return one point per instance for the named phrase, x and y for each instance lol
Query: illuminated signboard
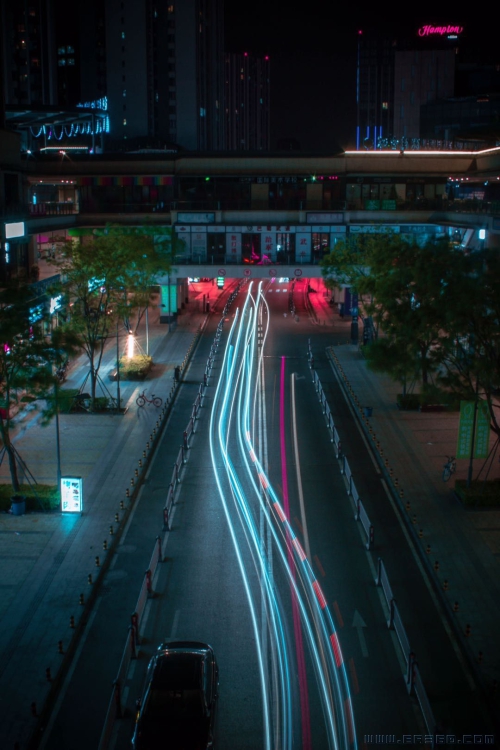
(169, 298)
(440, 30)
(71, 494)
(55, 304)
(35, 313)
(14, 230)
(94, 283)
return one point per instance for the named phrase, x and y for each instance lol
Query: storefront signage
(325, 218)
(35, 314)
(196, 218)
(94, 283)
(55, 304)
(440, 30)
(15, 229)
(71, 494)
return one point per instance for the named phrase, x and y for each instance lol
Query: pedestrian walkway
(46, 558)
(464, 543)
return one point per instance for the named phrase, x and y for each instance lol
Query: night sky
(313, 47)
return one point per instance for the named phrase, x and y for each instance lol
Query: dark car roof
(178, 671)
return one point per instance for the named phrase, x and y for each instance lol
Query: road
(265, 562)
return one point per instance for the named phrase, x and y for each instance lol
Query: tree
(471, 367)
(107, 276)
(407, 287)
(27, 360)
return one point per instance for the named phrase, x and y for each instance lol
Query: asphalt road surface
(265, 562)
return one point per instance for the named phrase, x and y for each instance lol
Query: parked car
(178, 704)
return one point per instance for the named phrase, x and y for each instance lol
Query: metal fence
(414, 681)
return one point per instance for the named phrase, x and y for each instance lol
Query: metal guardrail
(345, 469)
(414, 682)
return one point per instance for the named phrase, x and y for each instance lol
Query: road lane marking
(359, 624)
(354, 676)
(320, 567)
(338, 614)
(298, 472)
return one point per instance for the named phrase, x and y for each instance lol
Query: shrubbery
(480, 494)
(47, 500)
(135, 368)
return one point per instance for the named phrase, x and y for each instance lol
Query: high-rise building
(164, 71)
(397, 75)
(247, 94)
(159, 65)
(28, 52)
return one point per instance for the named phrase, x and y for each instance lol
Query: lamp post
(58, 440)
(147, 333)
(117, 368)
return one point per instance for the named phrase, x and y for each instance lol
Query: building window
(385, 105)
(123, 35)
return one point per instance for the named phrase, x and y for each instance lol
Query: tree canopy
(437, 307)
(107, 277)
(27, 361)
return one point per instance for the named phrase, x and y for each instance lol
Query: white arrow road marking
(359, 624)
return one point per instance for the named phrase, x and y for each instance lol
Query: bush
(414, 401)
(135, 368)
(66, 398)
(480, 494)
(101, 403)
(48, 497)
(410, 401)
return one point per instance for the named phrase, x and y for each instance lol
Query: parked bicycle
(449, 468)
(142, 400)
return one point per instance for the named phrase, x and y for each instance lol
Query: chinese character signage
(465, 430)
(482, 441)
(233, 246)
(303, 248)
(71, 494)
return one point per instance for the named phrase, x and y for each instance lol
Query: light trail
(260, 529)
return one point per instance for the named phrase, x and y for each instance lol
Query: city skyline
(313, 60)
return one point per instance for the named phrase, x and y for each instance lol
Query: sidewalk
(466, 543)
(46, 558)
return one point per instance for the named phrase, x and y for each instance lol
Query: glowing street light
(130, 345)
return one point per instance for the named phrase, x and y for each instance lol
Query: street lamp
(130, 345)
(58, 440)
(117, 368)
